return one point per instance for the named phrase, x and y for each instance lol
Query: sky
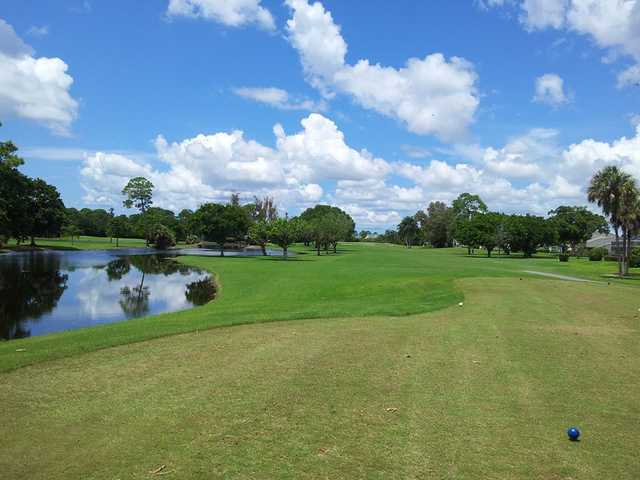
(376, 107)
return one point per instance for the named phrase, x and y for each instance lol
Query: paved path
(560, 277)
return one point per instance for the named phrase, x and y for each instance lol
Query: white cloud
(316, 165)
(415, 151)
(36, 31)
(550, 90)
(278, 98)
(525, 156)
(210, 167)
(34, 88)
(611, 24)
(629, 77)
(538, 14)
(431, 96)
(584, 158)
(634, 118)
(233, 13)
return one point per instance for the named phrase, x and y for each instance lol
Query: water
(44, 292)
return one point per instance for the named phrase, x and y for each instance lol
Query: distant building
(609, 242)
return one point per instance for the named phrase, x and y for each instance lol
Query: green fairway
(483, 391)
(362, 280)
(381, 375)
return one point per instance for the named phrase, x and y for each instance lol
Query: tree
(14, 188)
(483, 230)
(364, 235)
(407, 230)
(576, 225)
(527, 233)
(71, 231)
(259, 234)
(438, 223)
(162, 237)
(284, 232)
(185, 227)
(264, 209)
(119, 227)
(615, 193)
(45, 210)
(326, 226)
(8, 157)
(465, 207)
(217, 223)
(138, 193)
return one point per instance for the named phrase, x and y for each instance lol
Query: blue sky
(375, 107)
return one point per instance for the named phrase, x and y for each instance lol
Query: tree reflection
(117, 269)
(30, 286)
(159, 265)
(135, 301)
(201, 291)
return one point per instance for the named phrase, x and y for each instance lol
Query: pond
(52, 291)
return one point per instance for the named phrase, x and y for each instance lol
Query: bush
(191, 240)
(564, 257)
(635, 258)
(597, 254)
(162, 237)
(610, 258)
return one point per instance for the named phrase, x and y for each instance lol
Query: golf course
(375, 362)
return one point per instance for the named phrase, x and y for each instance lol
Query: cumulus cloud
(611, 24)
(279, 98)
(34, 88)
(538, 14)
(582, 159)
(316, 164)
(233, 13)
(550, 90)
(431, 95)
(210, 167)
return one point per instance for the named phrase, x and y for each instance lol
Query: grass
(83, 243)
(382, 375)
(483, 391)
(362, 280)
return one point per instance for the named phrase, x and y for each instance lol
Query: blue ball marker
(573, 433)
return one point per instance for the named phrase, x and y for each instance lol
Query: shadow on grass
(29, 248)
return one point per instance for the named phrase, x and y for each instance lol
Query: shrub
(610, 258)
(564, 257)
(162, 237)
(635, 258)
(597, 254)
(192, 239)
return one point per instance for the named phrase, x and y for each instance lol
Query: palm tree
(617, 194)
(629, 218)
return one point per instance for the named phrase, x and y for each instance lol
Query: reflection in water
(43, 292)
(201, 292)
(118, 269)
(38, 284)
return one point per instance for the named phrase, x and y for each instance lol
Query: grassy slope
(483, 391)
(363, 280)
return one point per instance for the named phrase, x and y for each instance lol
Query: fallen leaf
(391, 409)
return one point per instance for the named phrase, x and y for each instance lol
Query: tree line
(31, 208)
(468, 221)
